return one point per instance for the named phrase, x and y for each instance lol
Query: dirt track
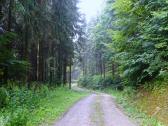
(95, 110)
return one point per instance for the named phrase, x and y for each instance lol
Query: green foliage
(85, 81)
(4, 97)
(18, 118)
(98, 82)
(23, 98)
(10, 66)
(133, 34)
(145, 43)
(46, 32)
(32, 107)
(108, 81)
(54, 105)
(94, 82)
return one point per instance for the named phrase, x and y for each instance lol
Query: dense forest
(126, 48)
(37, 42)
(37, 39)
(128, 41)
(42, 42)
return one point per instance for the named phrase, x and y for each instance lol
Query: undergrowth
(154, 99)
(98, 82)
(20, 106)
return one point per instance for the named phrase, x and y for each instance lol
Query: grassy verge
(127, 99)
(28, 108)
(53, 106)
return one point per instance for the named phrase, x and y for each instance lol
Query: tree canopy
(129, 38)
(37, 39)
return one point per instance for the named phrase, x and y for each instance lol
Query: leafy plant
(4, 97)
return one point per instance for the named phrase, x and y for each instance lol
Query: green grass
(52, 107)
(34, 108)
(126, 101)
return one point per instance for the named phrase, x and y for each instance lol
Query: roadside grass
(54, 106)
(154, 100)
(41, 108)
(128, 101)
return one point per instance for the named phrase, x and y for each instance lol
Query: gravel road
(95, 110)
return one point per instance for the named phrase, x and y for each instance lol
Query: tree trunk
(83, 67)
(41, 61)
(104, 70)
(33, 62)
(70, 73)
(1, 14)
(113, 69)
(101, 65)
(59, 70)
(9, 29)
(5, 74)
(10, 15)
(64, 72)
(38, 48)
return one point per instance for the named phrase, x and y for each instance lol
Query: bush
(33, 106)
(98, 82)
(18, 102)
(94, 82)
(85, 81)
(108, 81)
(19, 117)
(4, 97)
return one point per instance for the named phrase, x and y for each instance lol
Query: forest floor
(97, 109)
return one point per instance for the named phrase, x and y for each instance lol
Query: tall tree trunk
(9, 29)
(59, 70)
(33, 61)
(1, 13)
(10, 15)
(70, 70)
(38, 59)
(65, 71)
(101, 65)
(83, 67)
(113, 69)
(104, 70)
(41, 61)
(5, 76)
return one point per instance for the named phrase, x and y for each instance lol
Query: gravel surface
(95, 110)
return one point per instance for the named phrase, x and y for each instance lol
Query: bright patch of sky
(91, 8)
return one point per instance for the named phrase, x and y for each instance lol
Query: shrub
(23, 97)
(98, 82)
(18, 102)
(19, 118)
(108, 81)
(85, 81)
(4, 97)
(33, 106)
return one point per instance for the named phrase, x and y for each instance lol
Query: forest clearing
(84, 62)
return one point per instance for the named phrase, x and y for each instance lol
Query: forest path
(95, 110)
